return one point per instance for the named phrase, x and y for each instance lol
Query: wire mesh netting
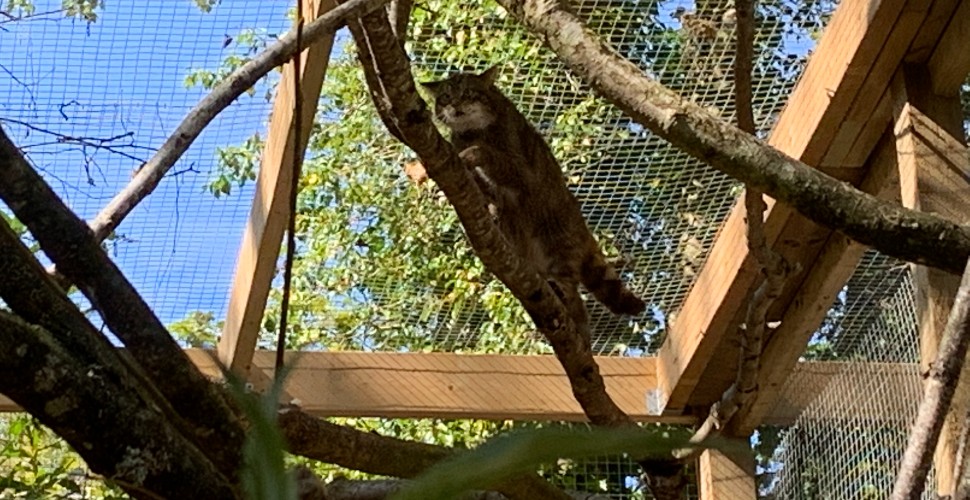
(89, 102)
(652, 206)
(849, 441)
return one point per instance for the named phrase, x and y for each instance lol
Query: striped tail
(601, 279)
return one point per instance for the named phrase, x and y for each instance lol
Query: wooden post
(934, 176)
(723, 476)
(268, 217)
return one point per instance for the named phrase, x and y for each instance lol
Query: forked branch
(68, 241)
(406, 116)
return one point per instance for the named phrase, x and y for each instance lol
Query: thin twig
(211, 105)
(938, 392)
(97, 143)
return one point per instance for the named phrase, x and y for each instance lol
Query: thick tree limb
(406, 115)
(149, 175)
(321, 440)
(30, 293)
(889, 228)
(69, 242)
(135, 445)
(938, 392)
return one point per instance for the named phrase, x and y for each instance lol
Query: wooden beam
(855, 126)
(826, 277)
(511, 387)
(950, 62)
(258, 253)
(723, 476)
(836, 261)
(935, 177)
(942, 30)
(836, 74)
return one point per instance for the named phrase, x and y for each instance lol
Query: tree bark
(388, 74)
(937, 395)
(887, 227)
(31, 293)
(69, 242)
(136, 447)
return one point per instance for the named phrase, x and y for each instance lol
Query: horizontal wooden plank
(503, 387)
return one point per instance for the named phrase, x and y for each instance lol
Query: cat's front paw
(473, 155)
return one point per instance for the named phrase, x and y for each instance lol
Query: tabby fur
(534, 209)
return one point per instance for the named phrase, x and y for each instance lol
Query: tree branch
(889, 228)
(938, 392)
(30, 293)
(399, 15)
(388, 74)
(148, 176)
(69, 242)
(321, 440)
(117, 434)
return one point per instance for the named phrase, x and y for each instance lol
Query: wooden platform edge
(496, 387)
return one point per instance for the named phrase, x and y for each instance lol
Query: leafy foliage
(264, 474)
(86, 10)
(36, 463)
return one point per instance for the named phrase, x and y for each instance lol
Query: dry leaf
(415, 171)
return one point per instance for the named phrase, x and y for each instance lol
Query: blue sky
(125, 74)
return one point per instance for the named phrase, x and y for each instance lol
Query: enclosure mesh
(849, 441)
(657, 206)
(88, 103)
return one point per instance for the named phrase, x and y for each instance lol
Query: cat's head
(462, 100)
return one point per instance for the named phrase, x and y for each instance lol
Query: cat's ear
(490, 75)
(432, 87)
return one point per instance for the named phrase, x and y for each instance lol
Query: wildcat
(534, 209)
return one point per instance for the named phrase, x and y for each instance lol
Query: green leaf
(520, 452)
